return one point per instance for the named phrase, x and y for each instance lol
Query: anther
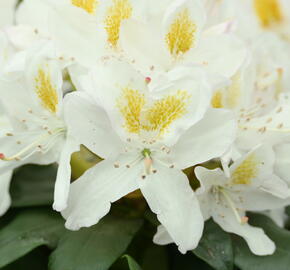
(147, 80)
(269, 120)
(262, 129)
(128, 166)
(154, 171)
(279, 110)
(171, 166)
(244, 220)
(116, 165)
(9, 134)
(280, 125)
(143, 176)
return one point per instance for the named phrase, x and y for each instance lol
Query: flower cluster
(152, 88)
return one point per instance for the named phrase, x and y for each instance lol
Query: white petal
(170, 196)
(91, 195)
(254, 199)
(89, 124)
(209, 138)
(62, 183)
(7, 10)
(39, 60)
(5, 199)
(193, 84)
(143, 44)
(258, 242)
(282, 163)
(35, 14)
(109, 79)
(162, 237)
(73, 28)
(196, 13)
(220, 54)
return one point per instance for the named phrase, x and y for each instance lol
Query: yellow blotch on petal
(181, 35)
(269, 12)
(217, 100)
(46, 91)
(234, 92)
(119, 11)
(87, 5)
(157, 117)
(246, 171)
(165, 111)
(130, 105)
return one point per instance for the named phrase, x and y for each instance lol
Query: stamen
(35, 146)
(232, 206)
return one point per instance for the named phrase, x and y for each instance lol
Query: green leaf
(94, 248)
(155, 257)
(33, 185)
(133, 265)
(280, 260)
(215, 247)
(35, 260)
(28, 230)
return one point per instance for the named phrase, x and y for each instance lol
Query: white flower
(146, 141)
(33, 103)
(7, 10)
(91, 25)
(177, 35)
(253, 186)
(254, 17)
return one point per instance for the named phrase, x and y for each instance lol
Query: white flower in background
(146, 141)
(176, 35)
(253, 186)
(33, 104)
(253, 17)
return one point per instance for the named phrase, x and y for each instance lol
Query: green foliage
(33, 237)
(97, 247)
(133, 265)
(33, 185)
(27, 230)
(215, 247)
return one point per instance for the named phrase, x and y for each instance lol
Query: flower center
(269, 12)
(155, 118)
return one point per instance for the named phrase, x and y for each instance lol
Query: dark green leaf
(133, 265)
(33, 185)
(188, 261)
(215, 247)
(94, 248)
(155, 257)
(280, 260)
(28, 230)
(35, 260)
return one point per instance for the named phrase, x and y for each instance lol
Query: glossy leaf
(215, 247)
(33, 185)
(29, 229)
(96, 247)
(133, 265)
